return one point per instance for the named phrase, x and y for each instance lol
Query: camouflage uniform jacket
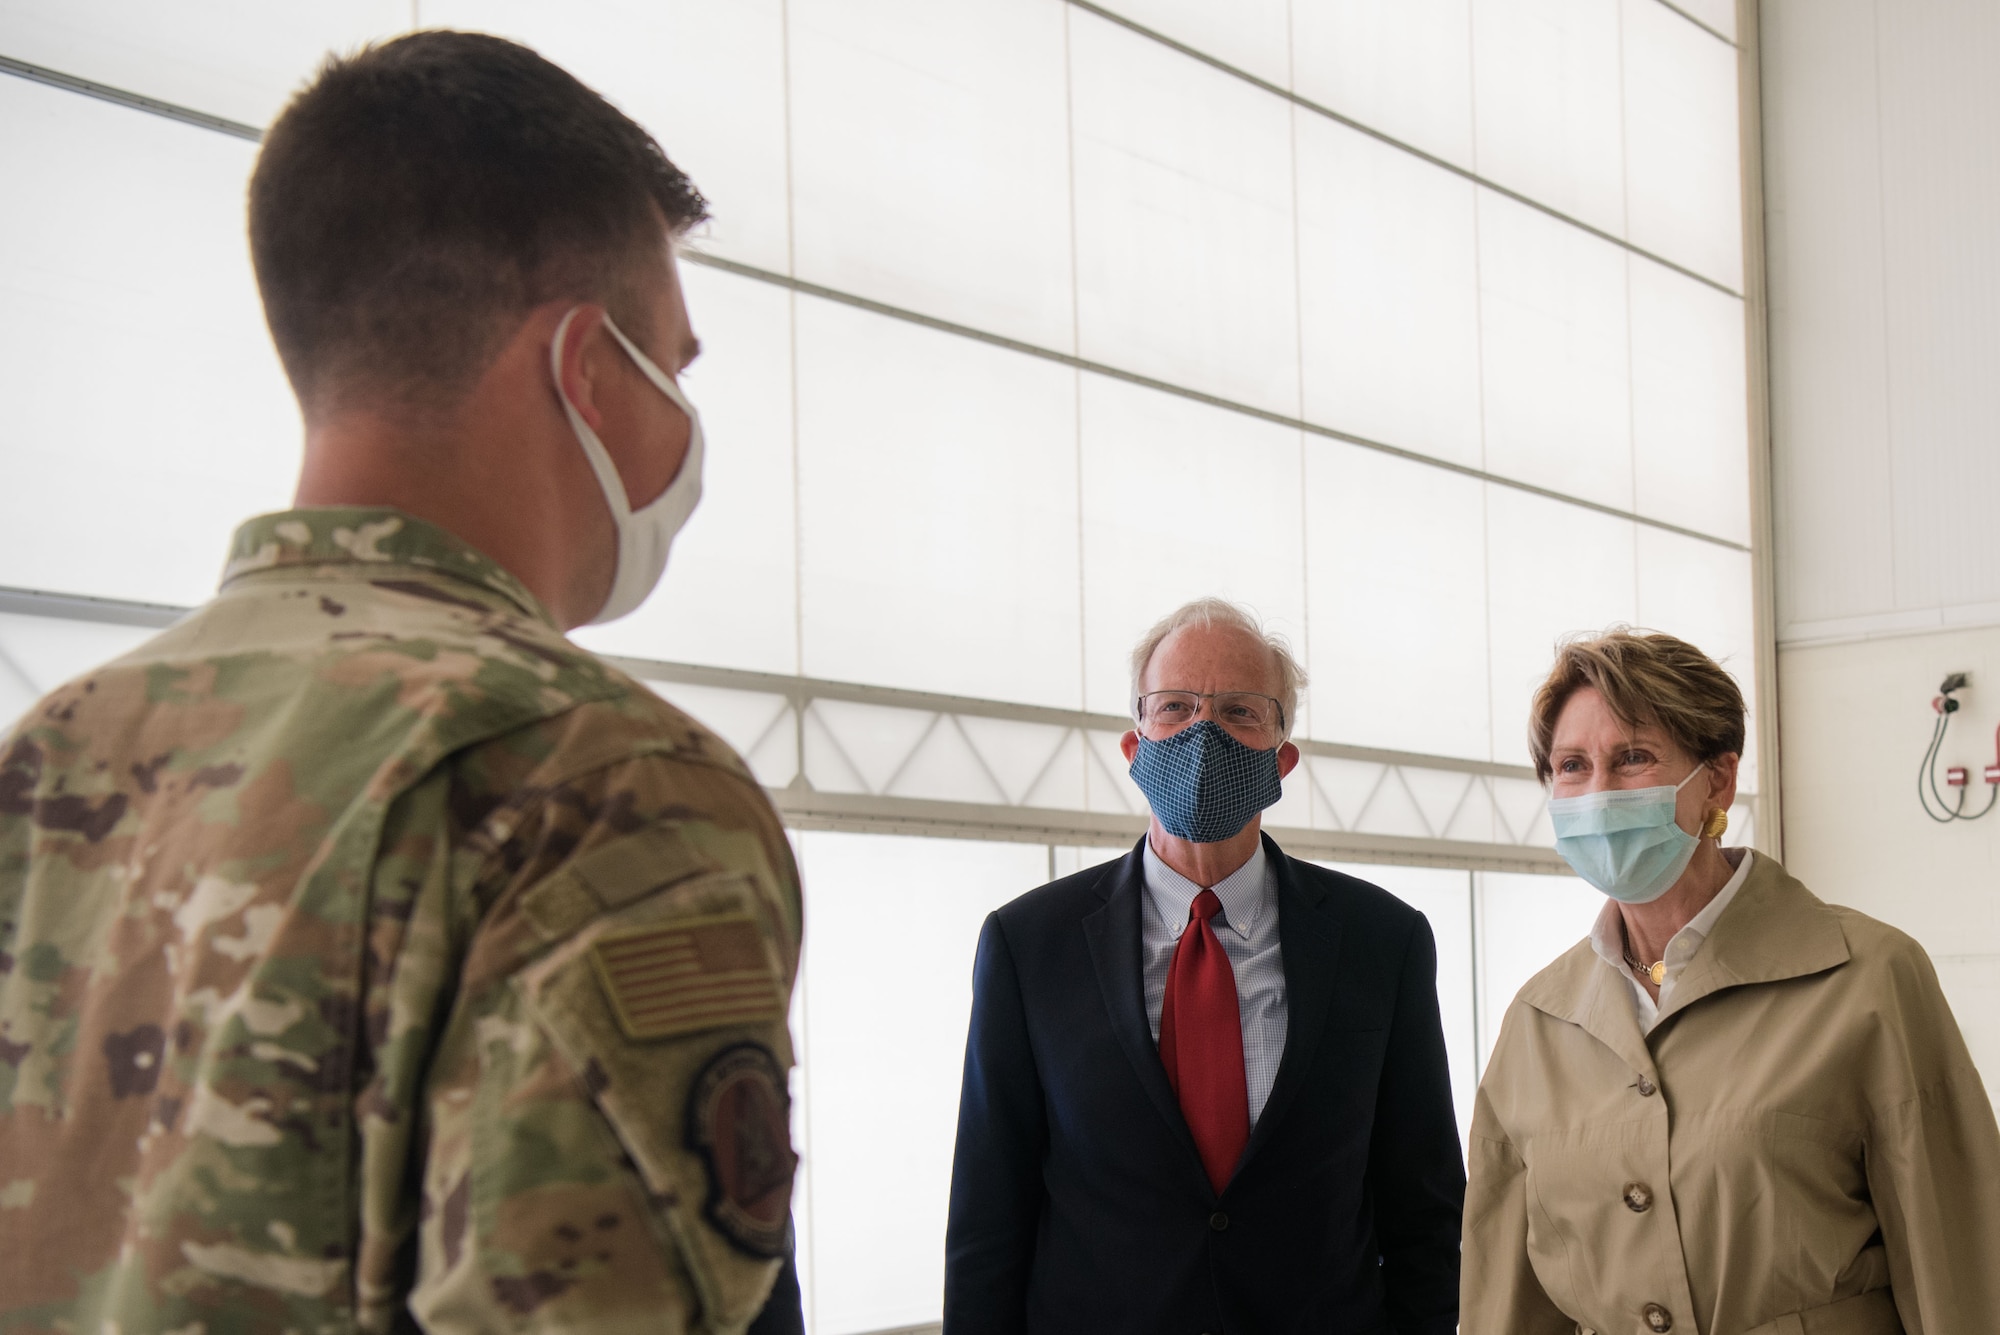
(370, 955)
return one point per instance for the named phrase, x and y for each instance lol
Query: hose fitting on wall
(1956, 776)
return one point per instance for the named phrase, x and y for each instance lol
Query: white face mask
(644, 536)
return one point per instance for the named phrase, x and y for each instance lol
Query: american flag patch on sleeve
(688, 974)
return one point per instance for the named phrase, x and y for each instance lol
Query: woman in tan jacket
(1734, 1109)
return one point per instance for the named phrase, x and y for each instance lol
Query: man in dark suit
(1205, 1084)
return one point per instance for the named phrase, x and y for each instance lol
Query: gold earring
(1717, 822)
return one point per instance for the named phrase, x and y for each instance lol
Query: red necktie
(1201, 1044)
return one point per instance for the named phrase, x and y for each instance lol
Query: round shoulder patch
(739, 1121)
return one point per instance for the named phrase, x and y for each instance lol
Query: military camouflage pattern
(299, 1024)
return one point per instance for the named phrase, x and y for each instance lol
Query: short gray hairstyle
(1222, 612)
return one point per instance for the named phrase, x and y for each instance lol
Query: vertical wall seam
(1888, 366)
(1769, 805)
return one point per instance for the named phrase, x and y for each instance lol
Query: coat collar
(1308, 941)
(1775, 929)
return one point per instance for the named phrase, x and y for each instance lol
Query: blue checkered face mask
(1203, 784)
(1624, 840)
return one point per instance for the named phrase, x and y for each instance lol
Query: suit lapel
(1308, 942)
(1113, 933)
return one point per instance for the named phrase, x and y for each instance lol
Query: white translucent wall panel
(1403, 67)
(728, 595)
(938, 511)
(1388, 293)
(1396, 592)
(1552, 570)
(1683, 176)
(1183, 219)
(1445, 900)
(930, 159)
(38, 654)
(1702, 593)
(1690, 402)
(238, 59)
(1525, 922)
(142, 411)
(1065, 860)
(1180, 501)
(1547, 103)
(1249, 34)
(707, 77)
(892, 926)
(1719, 15)
(1557, 380)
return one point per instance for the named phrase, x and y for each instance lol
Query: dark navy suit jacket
(1078, 1202)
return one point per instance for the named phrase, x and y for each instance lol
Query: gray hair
(1221, 612)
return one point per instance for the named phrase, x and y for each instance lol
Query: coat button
(1638, 1197)
(1658, 1318)
(1218, 1221)
(1646, 1087)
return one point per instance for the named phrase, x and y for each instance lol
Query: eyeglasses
(1245, 713)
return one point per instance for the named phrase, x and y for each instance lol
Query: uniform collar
(371, 536)
(1246, 893)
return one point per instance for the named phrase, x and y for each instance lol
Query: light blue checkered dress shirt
(1248, 930)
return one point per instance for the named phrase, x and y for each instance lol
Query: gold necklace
(1657, 971)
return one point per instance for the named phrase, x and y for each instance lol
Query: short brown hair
(1646, 678)
(420, 196)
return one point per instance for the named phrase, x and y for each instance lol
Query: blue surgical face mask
(1203, 784)
(1624, 840)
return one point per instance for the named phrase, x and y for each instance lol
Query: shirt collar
(1245, 893)
(370, 535)
(1607, 934)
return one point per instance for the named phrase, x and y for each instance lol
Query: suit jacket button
(1638, 1197)
(1218, 1221)
(1646, 1087)
(1658, 1318)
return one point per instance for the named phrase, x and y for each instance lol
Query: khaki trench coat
(1800, 1147)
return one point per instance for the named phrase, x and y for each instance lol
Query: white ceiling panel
(143, 414)
(1557, 379)
(1396, 592)
(937, 510)
(931, 159)
(1683, 169)
(237, 59)
(1388, 294)
(1690, 404)
(1547, 109)
(1400, 67)
(1183, 220)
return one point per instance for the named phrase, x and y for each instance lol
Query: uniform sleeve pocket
(673, 1010)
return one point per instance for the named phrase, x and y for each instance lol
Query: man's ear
(1129, 744)
(1288, 759)
(582, 361)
